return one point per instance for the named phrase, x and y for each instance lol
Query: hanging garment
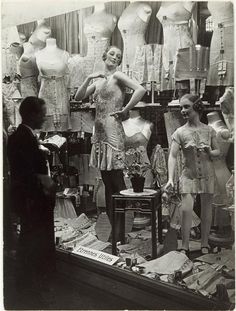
(148, 64)
(221, 70)
(108, 140)
(159, 166)
(192, 63)
(82, 121)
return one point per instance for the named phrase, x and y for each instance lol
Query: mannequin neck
(51, 44)
(99, 8)
(134, 114)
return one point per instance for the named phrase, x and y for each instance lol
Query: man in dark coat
(32, 198)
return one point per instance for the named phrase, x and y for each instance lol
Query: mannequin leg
(118, 182)
(186, 218)
(206, 217)
(107, 180)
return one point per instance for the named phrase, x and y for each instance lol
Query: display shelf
(147, 294)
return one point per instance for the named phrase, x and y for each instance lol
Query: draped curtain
(67, 29)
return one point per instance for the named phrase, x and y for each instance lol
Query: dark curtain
(27, 29)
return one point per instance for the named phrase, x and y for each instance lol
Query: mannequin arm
(174, 150)
(139, 91)
(85, 90)
(215, 152)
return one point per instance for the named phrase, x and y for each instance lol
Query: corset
(28, 68)
(133, 32)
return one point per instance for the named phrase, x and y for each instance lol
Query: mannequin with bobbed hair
(199, 146)
(108, 141)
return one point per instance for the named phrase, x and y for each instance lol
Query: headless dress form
(98, 29)
(52, 63)
(28, 71)
(227, 108)
(132, 25)
(222, 172)
(221, 71)
(137, 134)
(10, 36)
(174, 17)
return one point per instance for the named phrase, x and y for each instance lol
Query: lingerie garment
(198, 174)
(9, 57)
(148, 64)
(108, 140)
(132, 29)
(177, 35)
(29, 77)
(82, 121)
(221, 70)
(55, 92)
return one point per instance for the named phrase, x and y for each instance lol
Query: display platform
(146, 293)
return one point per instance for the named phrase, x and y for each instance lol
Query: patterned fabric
(132, 29)
(108, 140)
(222, 45)
(29, 86)
(148, 64)
(198, 175)
(159, 167)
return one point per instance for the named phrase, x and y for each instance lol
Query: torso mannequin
(28, 71)
(227, 108)
(221, 170)
(222, 64)
(40, 35)
(137, 134)
(174, 17)
(9, 56)
(52, 63)
(132, 25)
(98, 29)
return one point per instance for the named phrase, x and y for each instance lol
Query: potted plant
(135, 168)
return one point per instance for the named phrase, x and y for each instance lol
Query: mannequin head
(33, 112)
(191, 105)
(40, 34)
(112, 56)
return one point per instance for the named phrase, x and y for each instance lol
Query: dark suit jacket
(26, 160)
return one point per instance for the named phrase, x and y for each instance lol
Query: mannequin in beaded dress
(52, 63)
(174, 17)
(98, 29)
(132, 25)
(221, 71)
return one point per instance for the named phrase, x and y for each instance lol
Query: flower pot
(137, 183)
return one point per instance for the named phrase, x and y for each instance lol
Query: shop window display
(97, 117)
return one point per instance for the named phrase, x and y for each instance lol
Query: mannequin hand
(96, 75)
(119, 115)
(169, 186)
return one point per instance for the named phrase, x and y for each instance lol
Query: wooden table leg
(113, 224)
(159, 215)
(154, 234)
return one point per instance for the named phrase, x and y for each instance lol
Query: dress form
(227, 108)
(174, 17)
(137, 134)
(40, 35)
(221, 170)
(98, 29)
(132, 25)
(28, 71)
(9, 38)
(221, 71)
(52, 63)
